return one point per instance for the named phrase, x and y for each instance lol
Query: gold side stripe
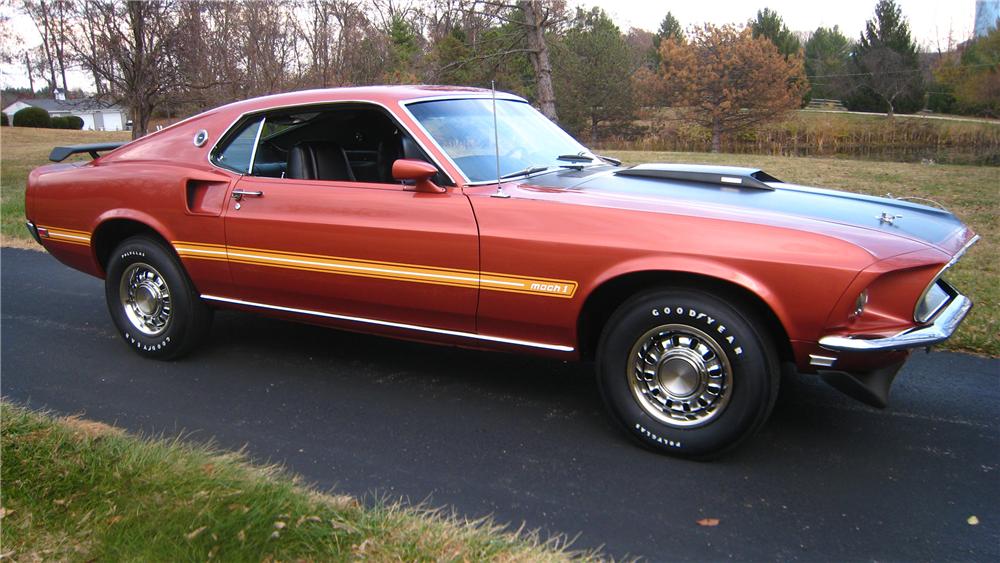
(382, 270)
(69, 236)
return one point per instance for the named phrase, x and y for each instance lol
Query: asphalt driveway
(526, 440)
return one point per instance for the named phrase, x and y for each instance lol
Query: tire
(152, 302)
(686, 373)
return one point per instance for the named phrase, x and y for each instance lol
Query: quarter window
(237, 153)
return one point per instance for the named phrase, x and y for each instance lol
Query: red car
(451, 216)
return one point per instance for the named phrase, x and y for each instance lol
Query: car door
(367, 250)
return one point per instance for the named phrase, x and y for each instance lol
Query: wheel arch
(112, 230)
(606, 297)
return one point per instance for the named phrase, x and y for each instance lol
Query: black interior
(345, 143)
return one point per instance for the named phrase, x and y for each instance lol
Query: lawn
(972, 192)
(77, 490)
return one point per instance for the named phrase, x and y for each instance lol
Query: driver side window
(350, 143)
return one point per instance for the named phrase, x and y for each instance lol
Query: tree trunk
(716, 135)
(594, 120)
(538, 54)
(140, 120)
(46, 46)
(31, 78)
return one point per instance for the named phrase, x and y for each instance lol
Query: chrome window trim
(954, 259)
(387, 109)
(256, 142)
(390, 324)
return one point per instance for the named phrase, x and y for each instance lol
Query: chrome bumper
(939, 330)
(33, 231)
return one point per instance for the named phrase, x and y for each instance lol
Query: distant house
(96, 115)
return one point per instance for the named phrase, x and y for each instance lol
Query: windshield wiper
(525, 172)
(610, 160)
(574, 158)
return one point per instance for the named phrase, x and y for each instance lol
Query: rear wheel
(152, 301)
(686, 373)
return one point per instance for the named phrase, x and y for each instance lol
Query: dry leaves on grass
(192, 535)
(708, 522)
(84, 428)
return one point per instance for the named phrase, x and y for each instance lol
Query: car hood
(814, 209)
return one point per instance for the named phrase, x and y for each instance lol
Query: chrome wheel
(679, 375)
(145, 298)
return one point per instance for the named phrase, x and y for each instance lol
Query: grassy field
(972, 192)
(75, 490)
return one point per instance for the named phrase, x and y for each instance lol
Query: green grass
(22, 149)
(971, 192)
(82, 491)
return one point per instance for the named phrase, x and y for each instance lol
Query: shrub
(3, 119)
(59, 122)
(32, 117)
(74, 122)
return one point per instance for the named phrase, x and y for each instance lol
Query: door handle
(240, 194)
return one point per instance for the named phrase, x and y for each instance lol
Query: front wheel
(152, 302)
(686, 373)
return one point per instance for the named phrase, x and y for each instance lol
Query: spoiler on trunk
(731, 176)
(60, 154)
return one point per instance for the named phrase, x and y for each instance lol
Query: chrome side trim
(821, 361)
(954, 259)
(941, 329)
(500, 339)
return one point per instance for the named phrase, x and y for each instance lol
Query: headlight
(933, 299)
(938, 292)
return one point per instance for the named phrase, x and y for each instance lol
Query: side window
(237, 153)
(346, 143)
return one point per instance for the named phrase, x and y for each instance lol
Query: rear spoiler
(60, 154)
(729, 176)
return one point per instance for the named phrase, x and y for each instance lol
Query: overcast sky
(932, 22)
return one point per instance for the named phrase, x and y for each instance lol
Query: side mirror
(418, 171)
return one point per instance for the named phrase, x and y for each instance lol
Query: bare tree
(132, 50)
(888, 78)
(523, 25)
(38, 11)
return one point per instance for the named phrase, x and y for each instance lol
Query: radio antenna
(496, 140)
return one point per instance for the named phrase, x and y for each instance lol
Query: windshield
(529, 143)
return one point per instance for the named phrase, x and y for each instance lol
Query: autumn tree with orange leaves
(725, 80)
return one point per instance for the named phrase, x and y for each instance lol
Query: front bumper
(938, 330)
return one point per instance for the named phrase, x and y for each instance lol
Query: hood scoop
(729, 176)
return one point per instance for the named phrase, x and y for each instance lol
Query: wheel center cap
(680, 373)
(147, 299)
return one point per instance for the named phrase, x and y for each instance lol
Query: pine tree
(770, 25)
